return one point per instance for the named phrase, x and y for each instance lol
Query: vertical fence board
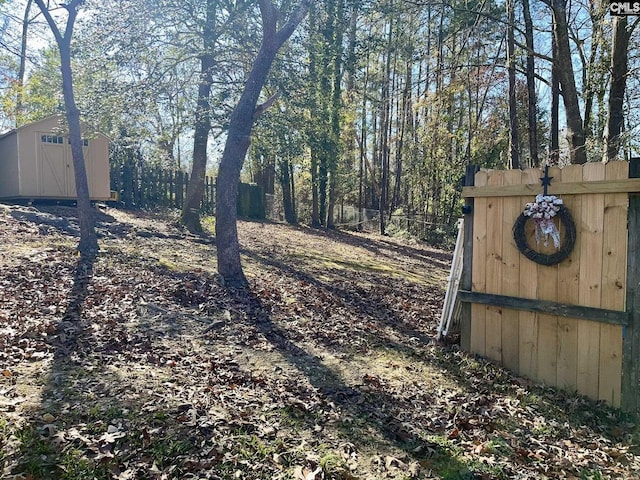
(493, 335)
(548, 324)
(467, 256)
(591, 226)
(631, 340)
(568, 291)
(510, 273)
(614, 260)
(528, 286)
(478, 312)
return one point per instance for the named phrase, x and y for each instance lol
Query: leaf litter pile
(144, 366)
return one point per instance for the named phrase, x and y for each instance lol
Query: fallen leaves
(322, 370)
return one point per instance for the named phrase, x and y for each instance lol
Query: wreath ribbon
(542, 211)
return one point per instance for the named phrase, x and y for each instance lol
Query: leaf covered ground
(143, 366)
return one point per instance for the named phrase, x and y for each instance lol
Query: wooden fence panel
(568, 291)
(548, 324)
(493, 270)
(614, 255)
(510, 275)
(590, 228)
(528, 287)
(576, 354)
(478, 282)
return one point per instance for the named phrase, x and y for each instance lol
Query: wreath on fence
(544, 211)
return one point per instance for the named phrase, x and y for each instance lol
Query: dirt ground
(145, 366)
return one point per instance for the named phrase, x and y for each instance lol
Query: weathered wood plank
(478, 282)
(528, 288)
(510, 274)
(601, 315)
(591, 231)
(548, 324)
(493, 266)
(465, 279)
(614, 255)
(568, 292)
(578, 188)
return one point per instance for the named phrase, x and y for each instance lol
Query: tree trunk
(313, 131)
(287, 193)
(238, 139)
(336, 108)
(575, 132)
(195, 189)
(554, 147)
(88, 245)
(619, 70)
(23, 64)
(384, 133)
(514, 141)
(532, 105)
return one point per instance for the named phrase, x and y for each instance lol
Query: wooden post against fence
(467, 256)
(631, 335)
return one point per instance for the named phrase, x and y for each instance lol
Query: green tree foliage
(378, 104)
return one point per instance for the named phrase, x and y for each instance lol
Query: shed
(36, 162)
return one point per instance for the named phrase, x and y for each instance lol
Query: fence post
(631, 333)
(467, 257)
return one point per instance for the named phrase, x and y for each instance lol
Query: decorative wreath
(543, 211)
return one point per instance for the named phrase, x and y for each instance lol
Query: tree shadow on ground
(486, 383)
(371, 413)
(93, 420)
(351, 296)
(63, 219)
(380, 246)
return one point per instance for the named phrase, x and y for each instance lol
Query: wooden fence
(146, 187)
(574, 324)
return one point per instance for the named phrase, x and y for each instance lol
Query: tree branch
(263, 107)
(294, 19)
(50, 21)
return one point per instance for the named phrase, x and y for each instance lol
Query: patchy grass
(145, 367)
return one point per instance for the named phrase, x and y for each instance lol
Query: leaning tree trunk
(88, 245)
(238, 138)
(195, 189)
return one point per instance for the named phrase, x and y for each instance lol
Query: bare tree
(88, 245)
(238, 138)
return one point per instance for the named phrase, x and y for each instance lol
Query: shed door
(54, 167)
(88, 165)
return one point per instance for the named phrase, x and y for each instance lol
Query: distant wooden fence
(146, 187)
(154, 187)
(575, 324)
